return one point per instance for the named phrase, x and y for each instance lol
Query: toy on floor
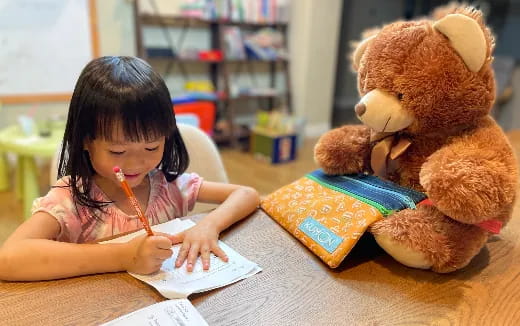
(427, 88)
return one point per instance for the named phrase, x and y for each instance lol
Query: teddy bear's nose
(360, 108)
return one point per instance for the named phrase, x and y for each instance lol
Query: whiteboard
(44, 45)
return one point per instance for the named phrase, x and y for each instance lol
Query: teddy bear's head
(426, 75)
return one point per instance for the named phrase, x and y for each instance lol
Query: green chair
(26, 148)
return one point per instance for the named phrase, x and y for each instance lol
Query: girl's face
(136, 159)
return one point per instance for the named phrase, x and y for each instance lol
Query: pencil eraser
(116, 169)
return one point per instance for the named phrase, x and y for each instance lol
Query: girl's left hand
(203, 239)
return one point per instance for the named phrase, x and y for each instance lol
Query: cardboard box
(273, 148)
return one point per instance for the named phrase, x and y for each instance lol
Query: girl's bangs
(140, 119)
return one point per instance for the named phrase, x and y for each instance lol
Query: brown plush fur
(459, 156)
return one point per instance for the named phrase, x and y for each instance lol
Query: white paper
(179, 312)
(174, 282)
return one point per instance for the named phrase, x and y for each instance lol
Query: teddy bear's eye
(400, 96)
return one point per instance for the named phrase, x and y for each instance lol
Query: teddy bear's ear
(466, 37)
(357, 54)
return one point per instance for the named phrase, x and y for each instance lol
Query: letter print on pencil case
(328, 214)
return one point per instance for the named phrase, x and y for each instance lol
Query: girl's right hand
(145, 254)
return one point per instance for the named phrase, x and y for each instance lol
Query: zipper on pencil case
(385, 211)
(414, 195)
(372, 195)
(407, 201)
(378, 190)
(402, 200)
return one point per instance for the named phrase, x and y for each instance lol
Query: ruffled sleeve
(187, 186)
(59, 204)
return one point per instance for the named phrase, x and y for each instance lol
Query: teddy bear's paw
(472, 180)
(410, 237)
(343, 150)
(402, 253)
(426, 238)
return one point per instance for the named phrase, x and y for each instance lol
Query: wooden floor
(241, 167)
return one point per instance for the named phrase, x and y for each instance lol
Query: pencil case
(329, 214)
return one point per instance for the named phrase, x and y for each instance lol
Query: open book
(175, 283)
(179, 312)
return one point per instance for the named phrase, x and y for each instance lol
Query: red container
(204, 110)
(210, 55)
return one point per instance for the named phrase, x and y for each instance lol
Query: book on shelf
(233, 43)
(250, 11)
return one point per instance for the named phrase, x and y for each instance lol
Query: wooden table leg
(4, 172)
(30, 184)
(18, 178)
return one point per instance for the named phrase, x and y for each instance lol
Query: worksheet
(175, 283)
(178, 312)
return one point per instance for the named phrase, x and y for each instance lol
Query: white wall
(314, 45)
(314, 32)
(116, 30)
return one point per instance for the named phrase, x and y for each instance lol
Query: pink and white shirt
(167, 200)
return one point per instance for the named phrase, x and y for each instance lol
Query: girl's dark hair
(113, 90)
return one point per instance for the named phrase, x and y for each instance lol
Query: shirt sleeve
(188, 185)
(59, 204)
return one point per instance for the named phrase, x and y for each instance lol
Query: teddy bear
(427, 88)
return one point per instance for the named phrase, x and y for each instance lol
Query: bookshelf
(219, 70)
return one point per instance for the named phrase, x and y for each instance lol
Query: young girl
(120, 115)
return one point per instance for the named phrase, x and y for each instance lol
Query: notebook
(175, 283)
(329, 214)
(178, 312)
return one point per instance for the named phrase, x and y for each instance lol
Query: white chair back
(205, 159)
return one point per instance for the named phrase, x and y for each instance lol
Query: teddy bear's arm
(344, 150)
(472, 179)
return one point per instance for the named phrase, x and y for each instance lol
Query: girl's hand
(203, 239)
(147, 253)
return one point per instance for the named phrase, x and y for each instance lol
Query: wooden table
(295, 288)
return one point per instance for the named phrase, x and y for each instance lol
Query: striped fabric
(383, 195)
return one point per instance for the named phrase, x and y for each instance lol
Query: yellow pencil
(133, 200)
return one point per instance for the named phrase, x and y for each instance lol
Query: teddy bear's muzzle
(383, 112)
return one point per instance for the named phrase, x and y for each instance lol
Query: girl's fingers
(152, 267)
(219, 252)
(161, 242)
(192, 257)
(205, 256)
(157, 267)
(164, 254)
(176, 238)
(181, 257)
